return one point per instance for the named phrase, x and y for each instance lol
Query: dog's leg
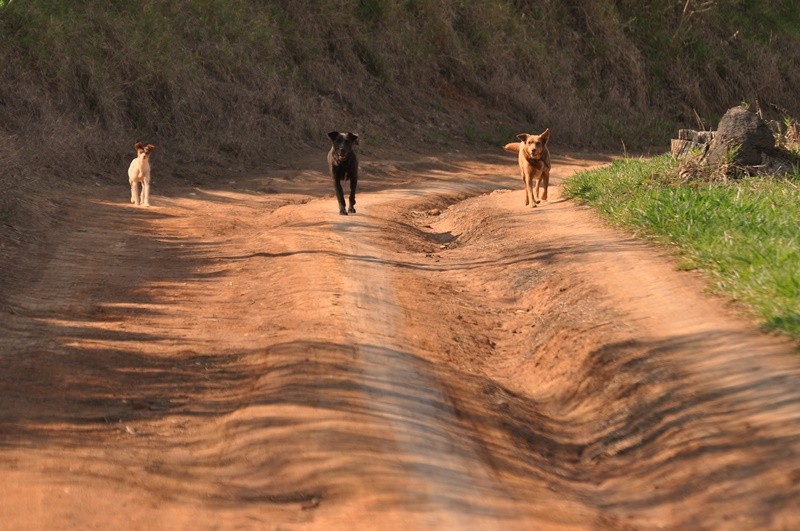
(353, 184)
(135, 193)
(539, 168)
(146, 193)
(337, 183)
(525, 184)
(529, 197)
(534, 201)
(545, 182)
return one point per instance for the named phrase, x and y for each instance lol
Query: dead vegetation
(223, 83)
(770, 150)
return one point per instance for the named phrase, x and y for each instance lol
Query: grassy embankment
(743, 233)
(231, 81)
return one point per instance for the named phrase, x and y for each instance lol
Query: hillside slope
(236, 81)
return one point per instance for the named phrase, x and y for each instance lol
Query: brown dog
(534, 164)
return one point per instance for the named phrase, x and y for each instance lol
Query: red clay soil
(239, 355)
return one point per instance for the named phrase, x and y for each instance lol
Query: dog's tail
(512, 147)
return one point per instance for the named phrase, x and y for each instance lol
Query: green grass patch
(744, 233)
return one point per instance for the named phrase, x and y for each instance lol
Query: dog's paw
(351, 210)
(343, 212)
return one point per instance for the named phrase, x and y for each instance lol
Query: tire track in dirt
(424, 463)
(682, 412)
(432, 453)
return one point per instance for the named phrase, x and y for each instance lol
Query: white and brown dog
(139, 172)
(534, 164)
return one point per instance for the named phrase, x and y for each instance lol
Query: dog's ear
(522, 136)
(138, 147)
(333, 135)
(545, 135)
(353, 137)
(149, 148)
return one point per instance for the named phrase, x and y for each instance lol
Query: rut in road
(445, 357)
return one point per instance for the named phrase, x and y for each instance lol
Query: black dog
(343, 164)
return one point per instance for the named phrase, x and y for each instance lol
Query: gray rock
(742, 129)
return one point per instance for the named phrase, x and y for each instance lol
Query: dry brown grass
(234, 82)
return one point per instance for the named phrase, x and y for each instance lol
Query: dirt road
(241, 356)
